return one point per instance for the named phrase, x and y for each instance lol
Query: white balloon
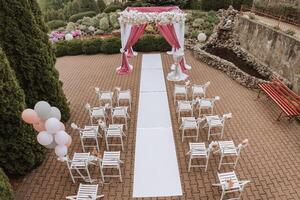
(201, 37)
(61, 138)
(55, 112)
(52, 125)
(44, 138)
(52, 145)
(61, 150)
(43, 109)
(68, 36)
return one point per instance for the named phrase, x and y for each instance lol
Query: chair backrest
(206, 85)
(74, 126)
(242, 145)
(102, 124)
(97, 90)
(88, 107)
(180, 86)
(226, 116)
(216, 98)
(86, 191)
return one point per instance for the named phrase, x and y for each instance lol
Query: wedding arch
(170, 22)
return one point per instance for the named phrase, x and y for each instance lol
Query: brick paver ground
(271, 161)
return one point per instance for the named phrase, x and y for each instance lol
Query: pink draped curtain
(136, 32)
(168, 31)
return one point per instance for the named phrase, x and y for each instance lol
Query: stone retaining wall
(275, 49)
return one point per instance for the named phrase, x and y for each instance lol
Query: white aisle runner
(156, 170)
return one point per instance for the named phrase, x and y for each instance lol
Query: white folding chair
(114, 131)
(79, 163)
(104, 96)
(189, 123)
(180, 90)
(199, 90)
(125, 96)
(86, 192)
(198, 151)
(96, 112)
(110, 160)
(88, 132)
(207, 104)
(228, 149)
(184, 106)
(216, 124)
(229, 183)
(120, 112)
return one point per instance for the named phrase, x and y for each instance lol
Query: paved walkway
(271, 161)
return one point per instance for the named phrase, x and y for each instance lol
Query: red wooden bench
(287, 100)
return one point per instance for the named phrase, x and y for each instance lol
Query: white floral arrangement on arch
(135, 17)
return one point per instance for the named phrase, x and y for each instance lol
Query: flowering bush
(55, 36)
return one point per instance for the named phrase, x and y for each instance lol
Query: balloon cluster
(46, 120)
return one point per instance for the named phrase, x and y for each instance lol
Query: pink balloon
(30, 116)
(62, 127)
(39, 126)
(69, 142)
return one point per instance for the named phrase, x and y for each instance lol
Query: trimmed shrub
(54, 24)
(71, 26)
(215, 4)
(113, 19)
(112, 8)
(198, 22)
(19, 150)
(30, 54)
(150, 43)
(111, 45)
(104, 24)
(52, 14)
(87, 21)
(76, 17)
(101, 5)
(6, 192)
(92, 46)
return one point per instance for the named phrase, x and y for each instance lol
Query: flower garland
(135, 17)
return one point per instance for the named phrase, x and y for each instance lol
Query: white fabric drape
(179, 30)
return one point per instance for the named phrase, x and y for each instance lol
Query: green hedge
(112, 8)
(150, 43)
(76, 17)
(54, 24)
(147, 43)
(6, 192)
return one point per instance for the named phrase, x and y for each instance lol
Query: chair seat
(111, 158)
(189, 123)
(205, 103)
(224, 177)
(180, 90)
(228, 147)
(114, 132)
(120, 111)
(106, 95)
(182, 105)
(124, 96)
(89, 131)
(198, 149)
(98, 112)
(80, 160)
(198, 90)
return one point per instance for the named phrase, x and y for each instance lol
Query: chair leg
(236, 162)
(206, 164)
(122, 142)
(88, 173)
(97, 143)
(101, 173)
(222, 195)
(182, 135)
(82, 144)
(71, 174)
(190, 163)
(120, 174)
(221, 159)
(197, 136)
(106, 142)
(208, 134)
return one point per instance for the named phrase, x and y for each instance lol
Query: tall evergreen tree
(19, 150)
(30, 55)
